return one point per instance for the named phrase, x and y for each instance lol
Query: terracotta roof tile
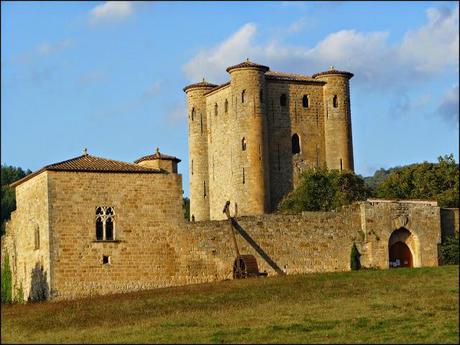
(87, 163)
(288, 76)
(333, 71)
(201, 84)
(158, 155)
(248, 63)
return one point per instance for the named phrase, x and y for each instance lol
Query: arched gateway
(401, 248)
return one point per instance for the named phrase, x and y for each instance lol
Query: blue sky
(109, 76)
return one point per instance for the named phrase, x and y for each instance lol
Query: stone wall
(27, 237)
(147, 209)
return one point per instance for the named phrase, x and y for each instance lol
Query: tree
(7, 281)
(324, 190)
(437, 181)
(9, 175)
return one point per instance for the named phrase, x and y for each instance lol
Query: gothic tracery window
(105, 220)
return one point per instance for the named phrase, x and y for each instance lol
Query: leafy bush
(437, 181)
(449, 250)
(324, 190)
(7, 281)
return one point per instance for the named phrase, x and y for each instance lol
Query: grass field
(370, 306)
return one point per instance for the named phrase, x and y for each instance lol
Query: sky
(108, 76)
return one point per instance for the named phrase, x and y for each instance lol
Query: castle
(90, 225)
(249, 138)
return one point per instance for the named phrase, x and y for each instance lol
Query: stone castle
(90, 225)
(249, 138)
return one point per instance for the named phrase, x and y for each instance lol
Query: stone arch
(404, 245)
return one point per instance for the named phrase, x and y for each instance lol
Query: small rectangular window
(105, 259)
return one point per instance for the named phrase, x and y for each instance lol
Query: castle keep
(91, 225)
(250, 138)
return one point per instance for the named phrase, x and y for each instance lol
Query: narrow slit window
(204, 189)
(305, 101)
(243, 94)
(226, 106)
(192, 166)
(283, 100)
(243, 144)
(201, 123)
(295, 144)
(335, 102)
(216, 109)
(244, 177)
(341, 166)
(193, 113)
(37, 237)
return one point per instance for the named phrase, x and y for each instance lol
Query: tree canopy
(9, 175)
(436, 181)
(325, 190)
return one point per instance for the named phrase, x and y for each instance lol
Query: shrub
(7, 279)
(449, 250)
(355, 263)
(324, 190)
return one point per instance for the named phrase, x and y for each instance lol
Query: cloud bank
(111, 11)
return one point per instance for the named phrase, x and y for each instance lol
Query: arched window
(305, 101)
(335, 102)
(216, 109)
(226, 106)
(243, 93)
(295, 144)
(283, 100)
(243, 144)
(105, 230)
(193, 113)
(261, 96)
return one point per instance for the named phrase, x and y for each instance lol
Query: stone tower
(251, 137)
(337, 123)
(247, 83)
(198, 149)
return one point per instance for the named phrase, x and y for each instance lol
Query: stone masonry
(243, 136)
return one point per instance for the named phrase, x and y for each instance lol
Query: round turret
(249, 94)
(198, 149)
(337, 124)
(159, 161)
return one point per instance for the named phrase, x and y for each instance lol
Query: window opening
(193, 113)
(244, 177)
(105, 227)
(283, 100)
(295, 144)
(226, 106)
(105, 259)
(243, 144)
(334, 101)
(305, 101)
(243, 93)
(216, 109)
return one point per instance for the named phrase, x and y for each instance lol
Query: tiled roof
(288, 76)
(158, 155)
(217, 87)
(248, 63)
(200, 84)
(87, 163)
(333, 71)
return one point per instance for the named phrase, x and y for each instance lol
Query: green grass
(368, 306)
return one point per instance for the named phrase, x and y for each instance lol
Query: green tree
(7, 281)
(437, 181)
(324, 190)
(9, 174)
(449, 250)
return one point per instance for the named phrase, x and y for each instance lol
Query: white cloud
(377, 64)
(111, 11)
(46, 48)
(449, 107)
